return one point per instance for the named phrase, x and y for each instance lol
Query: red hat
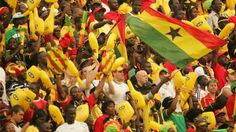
(3, 10)
(99, 9)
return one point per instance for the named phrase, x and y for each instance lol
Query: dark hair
(69, 106)
(16, 109)
(200, 78)
(193, 113)
(39, 113)
(167, 102)
(74, 87)
(106, 104)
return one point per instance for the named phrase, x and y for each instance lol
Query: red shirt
(65, 103)
(99, 125)
(220, 73)
(207, 100)
(230, 106)
(41, 104)
(91, 100)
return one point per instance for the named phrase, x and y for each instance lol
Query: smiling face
(212, 87)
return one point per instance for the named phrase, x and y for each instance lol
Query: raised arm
(173, 104)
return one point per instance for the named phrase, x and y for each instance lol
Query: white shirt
(92, 85)
(212, 20)
(200, 71)
(120, 92)
(168, 90)
(75, 127)
(201, 93)
(17, 128)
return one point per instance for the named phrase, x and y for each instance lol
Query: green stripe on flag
(166, 49)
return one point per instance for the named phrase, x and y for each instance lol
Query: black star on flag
(174, 33)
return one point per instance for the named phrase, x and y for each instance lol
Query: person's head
(9, 127)
(202, 80)
(192, 12)
(216, 5)
(192, 114)
(96, 4)
(39, 117)
(76, 94)
(108, 107)
(42, 58)
(174, 5)
(113, 5)
(17, 113)
(99, 14)
(212, 86)
(142, 77)
(181, 15)
(147, 67)
(12, 44)
(70, 114)
(19, 19)
(4, 13)
(45, 127)
(185, 70)
(136, 5)
(119, 74)
(220, 117)
(66, 7)
(203, 60)
(163, 73)
(223, 60)
(167, 102)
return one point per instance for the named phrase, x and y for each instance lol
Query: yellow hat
(13, 68)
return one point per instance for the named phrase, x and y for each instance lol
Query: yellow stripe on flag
(186, 42)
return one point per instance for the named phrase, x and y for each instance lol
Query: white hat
(18, 15)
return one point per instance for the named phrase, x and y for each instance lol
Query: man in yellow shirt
(100, 25)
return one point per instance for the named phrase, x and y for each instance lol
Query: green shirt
(177, 119)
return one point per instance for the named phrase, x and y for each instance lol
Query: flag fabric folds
(176, 41)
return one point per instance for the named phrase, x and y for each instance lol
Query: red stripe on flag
(210, 41)
(121, 28)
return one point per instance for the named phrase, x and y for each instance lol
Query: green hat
(207, 4)
(11, 34)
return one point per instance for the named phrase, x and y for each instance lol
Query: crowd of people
(62, 69)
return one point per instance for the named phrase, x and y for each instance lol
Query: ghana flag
(176, 41)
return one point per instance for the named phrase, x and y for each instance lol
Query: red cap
(3, 10)
(99, 9)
